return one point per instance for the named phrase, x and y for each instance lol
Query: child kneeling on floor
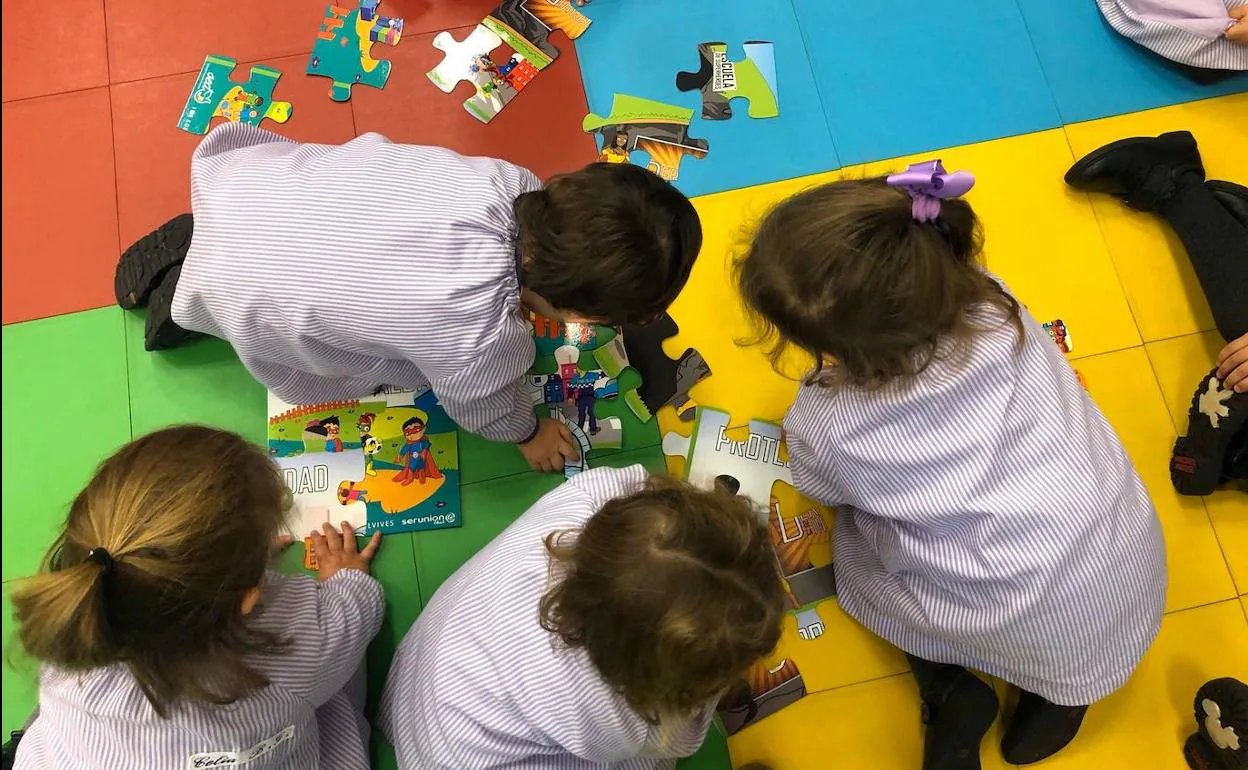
(989, 517)
(166, 642)
(598, 630)
(335, 271)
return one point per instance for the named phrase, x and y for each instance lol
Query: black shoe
(1221, 710)
(1214, 419)
(957, 718)
(1234, 197)
(9, 755)
(1141, 170)
(142, 265)
(160, 332)
(1039, 729)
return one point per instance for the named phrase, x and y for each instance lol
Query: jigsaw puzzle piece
(664, 381)
(525, 25)
(215, 95)
(721, 80)
(343, 48)
(658, 129)
(472, 60)
(755, 465)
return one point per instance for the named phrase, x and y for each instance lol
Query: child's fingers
(282, 542)
(1239, 12)
(319, 546)
(370, 548)
(348, 538)
(333, 538)
(1236, 347)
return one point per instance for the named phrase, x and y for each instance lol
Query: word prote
(314, 478)
(763, 449)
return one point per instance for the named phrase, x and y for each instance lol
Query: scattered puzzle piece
(525, 26)
(658, 129)
(215, 95)
(755, 464)
(1060, 335)
(343, 48)
(770, 685)
(720, 80)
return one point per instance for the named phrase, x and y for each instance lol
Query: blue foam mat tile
(636, 47)
(1094, 72)
(897, 80)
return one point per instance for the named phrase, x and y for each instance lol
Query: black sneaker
(1141, 170)
(1039, 729)
(1214, 420)
(1221, 710)
(1233, 197)
(957, 718)
(9, 755)
(160, 332)
(143, 265)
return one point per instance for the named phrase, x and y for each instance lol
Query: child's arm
(329, 625)
(487, 393)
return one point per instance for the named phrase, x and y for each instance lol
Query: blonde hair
(157, 555)
(672, 592)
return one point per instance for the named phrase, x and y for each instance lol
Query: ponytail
(63, 614)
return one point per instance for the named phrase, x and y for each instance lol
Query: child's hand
(1238, 33)
(281, 543)
(1233, 361)
(337, 550)
(549, 447)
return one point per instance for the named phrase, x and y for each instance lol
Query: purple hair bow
(928, 184)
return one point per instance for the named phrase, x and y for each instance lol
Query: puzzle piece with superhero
(657, 129)
(343, 48)
(721, 80)
(525, 27)
(215, 95)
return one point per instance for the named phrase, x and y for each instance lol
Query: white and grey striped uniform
(1191, 32)
(309, 717)
(336, 269)
(989, 516)
(478, 683)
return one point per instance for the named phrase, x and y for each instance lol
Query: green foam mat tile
(65, 377)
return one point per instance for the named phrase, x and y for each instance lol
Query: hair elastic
(101, 556)
(927, 184)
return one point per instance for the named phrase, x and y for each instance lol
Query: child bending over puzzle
(163, 639)
(598, 630)
(337, 270)
(989, 516)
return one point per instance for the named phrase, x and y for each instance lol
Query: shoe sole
(1197, 459)
(159, 331)
(143, 265)
(1081, 166)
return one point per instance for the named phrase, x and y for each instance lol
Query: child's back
(164, 642)
(989, 517)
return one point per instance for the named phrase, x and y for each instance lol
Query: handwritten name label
(211, 759)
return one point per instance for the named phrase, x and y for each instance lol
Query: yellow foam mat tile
(1123, 386)
(1165, 296)
(1041, 237)
(712, 318)
(1180, 364)
(869, 726)
(1243, 600)
(1144, 724)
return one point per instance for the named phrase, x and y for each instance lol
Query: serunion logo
(203, 94)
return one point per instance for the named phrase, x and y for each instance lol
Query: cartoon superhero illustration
(348, 493)
(583, 392)
(364, 423)
(371, 447)
(617, 150)
(330, 428)
(415, 456)
(1060, 335)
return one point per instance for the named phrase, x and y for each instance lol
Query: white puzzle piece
(709, 453)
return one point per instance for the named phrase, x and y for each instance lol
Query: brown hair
(611, 242)
(844, 271)
(187, 516)
(672, 592)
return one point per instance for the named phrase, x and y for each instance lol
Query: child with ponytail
(165, 642)
(989, 518)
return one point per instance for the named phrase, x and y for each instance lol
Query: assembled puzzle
(343, 48)
(664, 381)
(721, 80)
(569, 382)
(657, 129)
(770, 686)
(389, 462)
(525, 27)
(215, 95)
